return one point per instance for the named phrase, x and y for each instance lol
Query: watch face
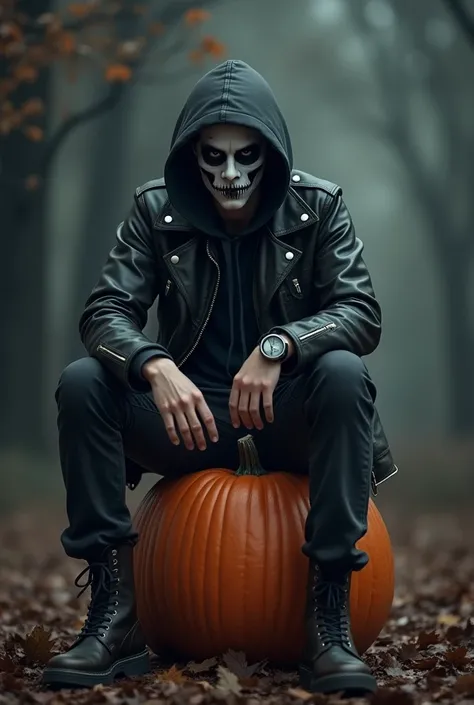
(273, 346)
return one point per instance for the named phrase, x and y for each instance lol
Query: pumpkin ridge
(196, 593)
(232, 483)
(280, 511)
(212, 604)
(245, 592)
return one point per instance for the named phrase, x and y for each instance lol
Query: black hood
(232, 92)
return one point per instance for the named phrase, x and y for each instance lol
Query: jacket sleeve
(116, 311)
(348, 316)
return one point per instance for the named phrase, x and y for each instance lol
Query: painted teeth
(232, 192)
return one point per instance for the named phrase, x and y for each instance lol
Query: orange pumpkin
(219, 565)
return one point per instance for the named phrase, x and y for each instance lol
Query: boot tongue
(330, 595)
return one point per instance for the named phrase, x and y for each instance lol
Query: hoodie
(232, 92)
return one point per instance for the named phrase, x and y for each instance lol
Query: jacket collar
(293, 214)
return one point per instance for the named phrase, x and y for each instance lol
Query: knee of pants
(80, 380)
(343, 376)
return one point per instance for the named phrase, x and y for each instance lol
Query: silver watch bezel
(281, 357)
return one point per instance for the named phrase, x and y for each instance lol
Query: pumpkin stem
(248, 456)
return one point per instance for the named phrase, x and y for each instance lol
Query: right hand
(179, 402)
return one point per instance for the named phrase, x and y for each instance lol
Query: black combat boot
(330, 661)
(111, 642)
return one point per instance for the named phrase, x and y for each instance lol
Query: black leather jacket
(311, 282)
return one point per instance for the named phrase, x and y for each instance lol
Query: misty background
(379, 98)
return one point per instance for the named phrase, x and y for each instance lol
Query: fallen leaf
(425, 664)
(465, 685)
(458, 657)
(236, 661)
(408, 652)
(6, 664)
(37, 646)
(299, 693)
(227, 681)
(448, 620)
(426, 639)
(201, 667)
(389, 696)
(173, 675)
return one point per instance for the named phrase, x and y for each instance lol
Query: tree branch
(463, 17)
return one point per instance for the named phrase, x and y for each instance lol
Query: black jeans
(323, 425)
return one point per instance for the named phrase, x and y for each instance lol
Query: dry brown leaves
(425, 655)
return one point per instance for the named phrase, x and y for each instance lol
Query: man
(265, 309)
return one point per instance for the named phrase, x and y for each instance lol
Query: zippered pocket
(167, 287)
(111, 354)
(294, 287)
(318, 331)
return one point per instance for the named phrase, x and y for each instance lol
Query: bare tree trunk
(456, 332)
(22, 305)
(106, 207)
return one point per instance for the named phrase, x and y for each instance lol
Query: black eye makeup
(248, 155)
(213, 156)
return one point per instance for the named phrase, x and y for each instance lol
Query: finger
(168, 420)
(243, 408)
(267, 400)
(208, 419)
(184, 429)
(254, 409)
(196, 428)
(234, 406)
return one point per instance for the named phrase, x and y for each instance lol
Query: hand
(179, 402)
(254, 383)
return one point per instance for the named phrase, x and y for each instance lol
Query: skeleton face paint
(231, 159)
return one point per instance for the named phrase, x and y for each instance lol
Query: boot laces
(102, 606)
(331, 613)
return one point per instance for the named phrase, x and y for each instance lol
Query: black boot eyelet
(114, 612)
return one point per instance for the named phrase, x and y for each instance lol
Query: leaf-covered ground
(425, 655)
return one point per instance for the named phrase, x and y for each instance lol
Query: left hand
(254, 383)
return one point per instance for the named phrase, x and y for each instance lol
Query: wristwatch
(274, 347)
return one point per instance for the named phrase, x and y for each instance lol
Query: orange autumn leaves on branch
(84, 36)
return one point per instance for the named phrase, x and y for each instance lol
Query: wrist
(154, 367)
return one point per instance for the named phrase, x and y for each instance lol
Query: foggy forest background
(379, 98)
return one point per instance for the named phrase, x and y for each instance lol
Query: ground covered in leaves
(425, 655)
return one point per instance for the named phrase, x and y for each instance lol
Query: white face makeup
(231, 159)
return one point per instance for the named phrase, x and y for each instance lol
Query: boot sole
(349, 683)
(136, 665)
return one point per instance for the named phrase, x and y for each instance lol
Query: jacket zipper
(110, 353)
(297, 286)
(318, 331)
(213, 301)
(167, 287)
